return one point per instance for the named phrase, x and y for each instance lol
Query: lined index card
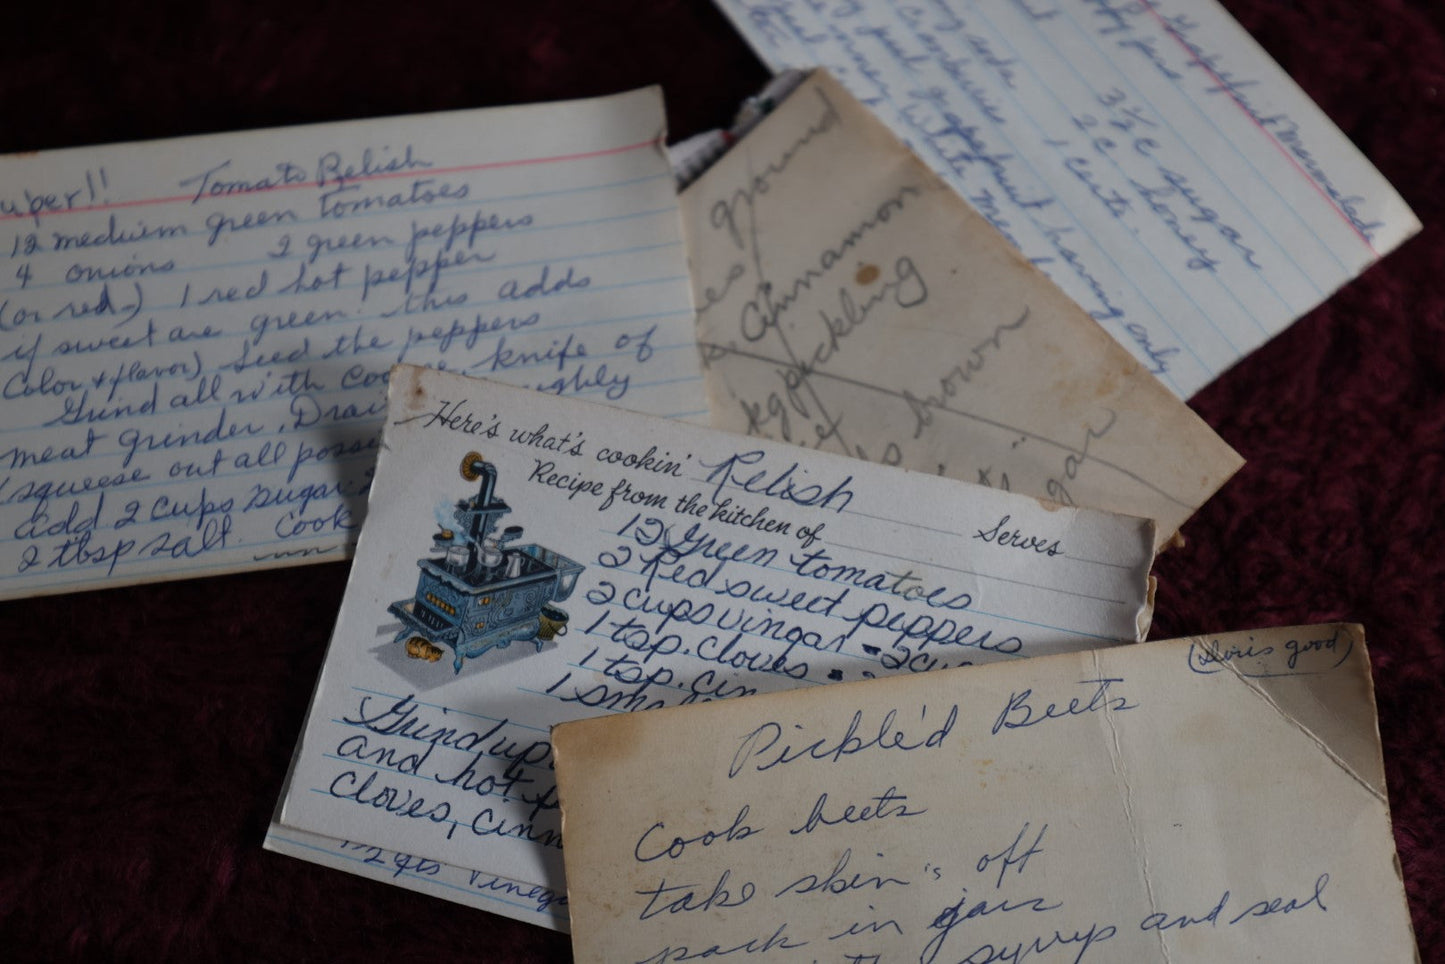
(195, 333)
(1149, 157)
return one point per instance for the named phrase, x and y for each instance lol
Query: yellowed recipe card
(1212, 799)
(850, 301)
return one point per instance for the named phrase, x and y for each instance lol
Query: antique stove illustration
(479, 592)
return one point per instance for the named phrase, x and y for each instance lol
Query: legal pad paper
(528, 560)
(851, 301)
(1210, 799)
(1149, 157)
(195, 333)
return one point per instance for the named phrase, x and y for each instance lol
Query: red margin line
(1194, 59)
(310, 184)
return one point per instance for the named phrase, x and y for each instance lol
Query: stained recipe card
(849, 300)
(528, 560)
(1219, 798)
(195, 333)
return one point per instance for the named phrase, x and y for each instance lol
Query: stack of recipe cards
(529, 560)
(200, 332)
(1220, 798)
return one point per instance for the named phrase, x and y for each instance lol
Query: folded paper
(1220, 798)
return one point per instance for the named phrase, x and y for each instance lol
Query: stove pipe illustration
(479, 591)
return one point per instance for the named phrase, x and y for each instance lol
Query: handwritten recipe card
(849, 300)
(528, 560)
(1209, 799)
(1149, 157)
(195, 334)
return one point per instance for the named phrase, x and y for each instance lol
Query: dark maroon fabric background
(145, 732)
